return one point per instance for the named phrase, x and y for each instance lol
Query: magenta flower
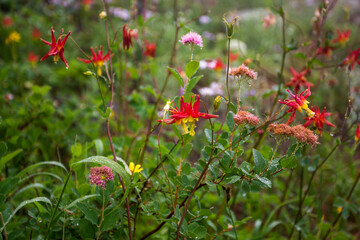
(192, 38)
(100, 175)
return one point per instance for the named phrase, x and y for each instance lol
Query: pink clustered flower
(243, 70)
(100, 175)
(299, 132)
(192, 38)
(244, 117)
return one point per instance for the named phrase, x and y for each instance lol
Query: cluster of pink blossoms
(100, 175)
(243, 70)
(299, 132)
(192, 38)
(244, 117)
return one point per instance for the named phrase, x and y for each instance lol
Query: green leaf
(90, 213)
(76, 149)
(3, 149)
(105, 114)
(31, 167)
(229, 179)
(193, 81)
(22, 204)
(208, 135)
(118, 168)
(185, 151)
(289, 162)
(230, 120)
(87, 229)
(110, 220)
(8, 157)
(99, 146)
(177, 76)
(196, 230)
(191, 68)
(205, 212)
(8, 184)
(81, 199)
(264, 180)
(260, 162)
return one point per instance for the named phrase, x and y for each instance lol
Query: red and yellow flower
(127, 37)
(298, 79)
(97, 58)
(150, 49)
(298, 103)
(187, 116)
(357, 134)
(318, 120)
(352, 58)
(56, 48)
(343, 37)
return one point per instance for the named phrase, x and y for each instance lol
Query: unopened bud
(217, 102)
(103, 15)
(230, 26)
(89, 73)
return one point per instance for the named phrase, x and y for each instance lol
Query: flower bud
(216, 103)
(89, 73)
(103, 15)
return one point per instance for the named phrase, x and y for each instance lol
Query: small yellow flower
(13, 37)
(339, 209)
(134, 169)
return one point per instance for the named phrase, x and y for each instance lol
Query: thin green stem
(57, 205)
(102, 214)
(339, 214)
(110, 77)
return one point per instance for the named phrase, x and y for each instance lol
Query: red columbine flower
(298, 79)
(318, 120)
(327, 50)
(150, 49)
(32, 59)
(218, 65)
(298, 103)
(233, 56)
(127, 41)
(56, 48)
(98, 59)
(35, 34)
(7, 21)
(343, 37)
(187, 115)
(357, 134)
(352, 58)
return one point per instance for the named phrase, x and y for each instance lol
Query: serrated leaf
(208, 135)
(110, 220)
(185, 151)
(191, 68)
(177, 76)
(22, 204)
(230, 120)
(87, 229)
(264, 180)
(90, 213)
(193, 81)
(260, 162)
(289, 162)
(118, 168)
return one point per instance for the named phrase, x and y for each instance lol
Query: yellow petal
(131, 167)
